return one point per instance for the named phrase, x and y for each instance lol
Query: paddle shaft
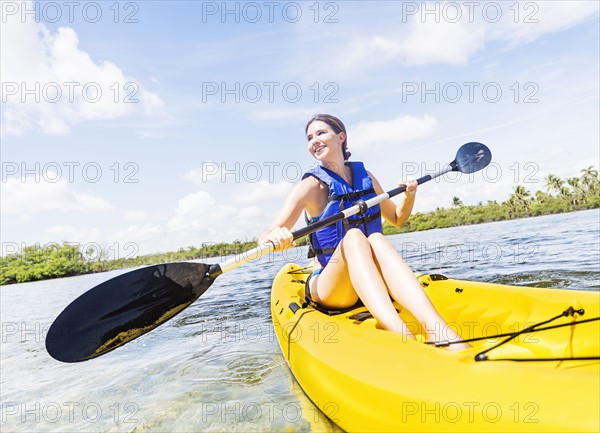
(360, 207)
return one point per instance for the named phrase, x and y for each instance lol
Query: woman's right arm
(278, 232)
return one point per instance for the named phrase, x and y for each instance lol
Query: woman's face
(323, 142)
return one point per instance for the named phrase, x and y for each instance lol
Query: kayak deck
(365, 378)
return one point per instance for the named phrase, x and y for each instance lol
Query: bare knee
(355, 247)
(378, 240)
(355, 238)
(376, 237)
(381, 246)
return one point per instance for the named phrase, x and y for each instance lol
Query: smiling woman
(355, 261)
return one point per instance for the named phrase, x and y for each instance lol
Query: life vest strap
(352, 195)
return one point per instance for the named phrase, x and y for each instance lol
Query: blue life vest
(342, 196)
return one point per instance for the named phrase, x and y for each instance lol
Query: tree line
(37, 262)
(561, 195)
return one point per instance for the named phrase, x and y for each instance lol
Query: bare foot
(405, 332)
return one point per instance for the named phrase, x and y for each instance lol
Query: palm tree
(573, 182)
(521, 194)
(519, 199)
(589, 173)
(541, 197)
(578, 191)
(554, 183)
(456, 202)
(564, 191)
(590, 181)
(513, 206)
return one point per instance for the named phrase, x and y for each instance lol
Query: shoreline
(391, 230)
(36, 263)
(152, 259)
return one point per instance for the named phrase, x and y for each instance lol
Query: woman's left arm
(397, 214)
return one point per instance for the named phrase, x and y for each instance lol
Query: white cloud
(262, 191)
(195, 210)
(380, 133)
(200, 218)
(129, 242)
(197, 219)
(251, 212)
(136, 215)
(539, 18)
(27, 198)
(444, 42)
(67, 85)
(69, 233)
(447, 37)
(422, 43)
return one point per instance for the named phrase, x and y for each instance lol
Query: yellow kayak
(367, 379)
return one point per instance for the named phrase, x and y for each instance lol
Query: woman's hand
(280, 237)
(411, 186)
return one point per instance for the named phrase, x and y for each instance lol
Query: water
(217, 366)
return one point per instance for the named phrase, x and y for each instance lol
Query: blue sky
(212, 138)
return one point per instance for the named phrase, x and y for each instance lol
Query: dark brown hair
(336, 124)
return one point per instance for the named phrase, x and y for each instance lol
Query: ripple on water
(560, 279)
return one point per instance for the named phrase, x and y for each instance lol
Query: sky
(137, 127)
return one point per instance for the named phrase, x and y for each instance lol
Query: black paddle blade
(123, 308)
(471, 157)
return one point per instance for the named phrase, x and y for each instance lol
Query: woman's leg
(352, 273)
(407, 291)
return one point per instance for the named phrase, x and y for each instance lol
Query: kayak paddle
(132, 304)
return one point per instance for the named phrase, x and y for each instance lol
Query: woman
(356, 260)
